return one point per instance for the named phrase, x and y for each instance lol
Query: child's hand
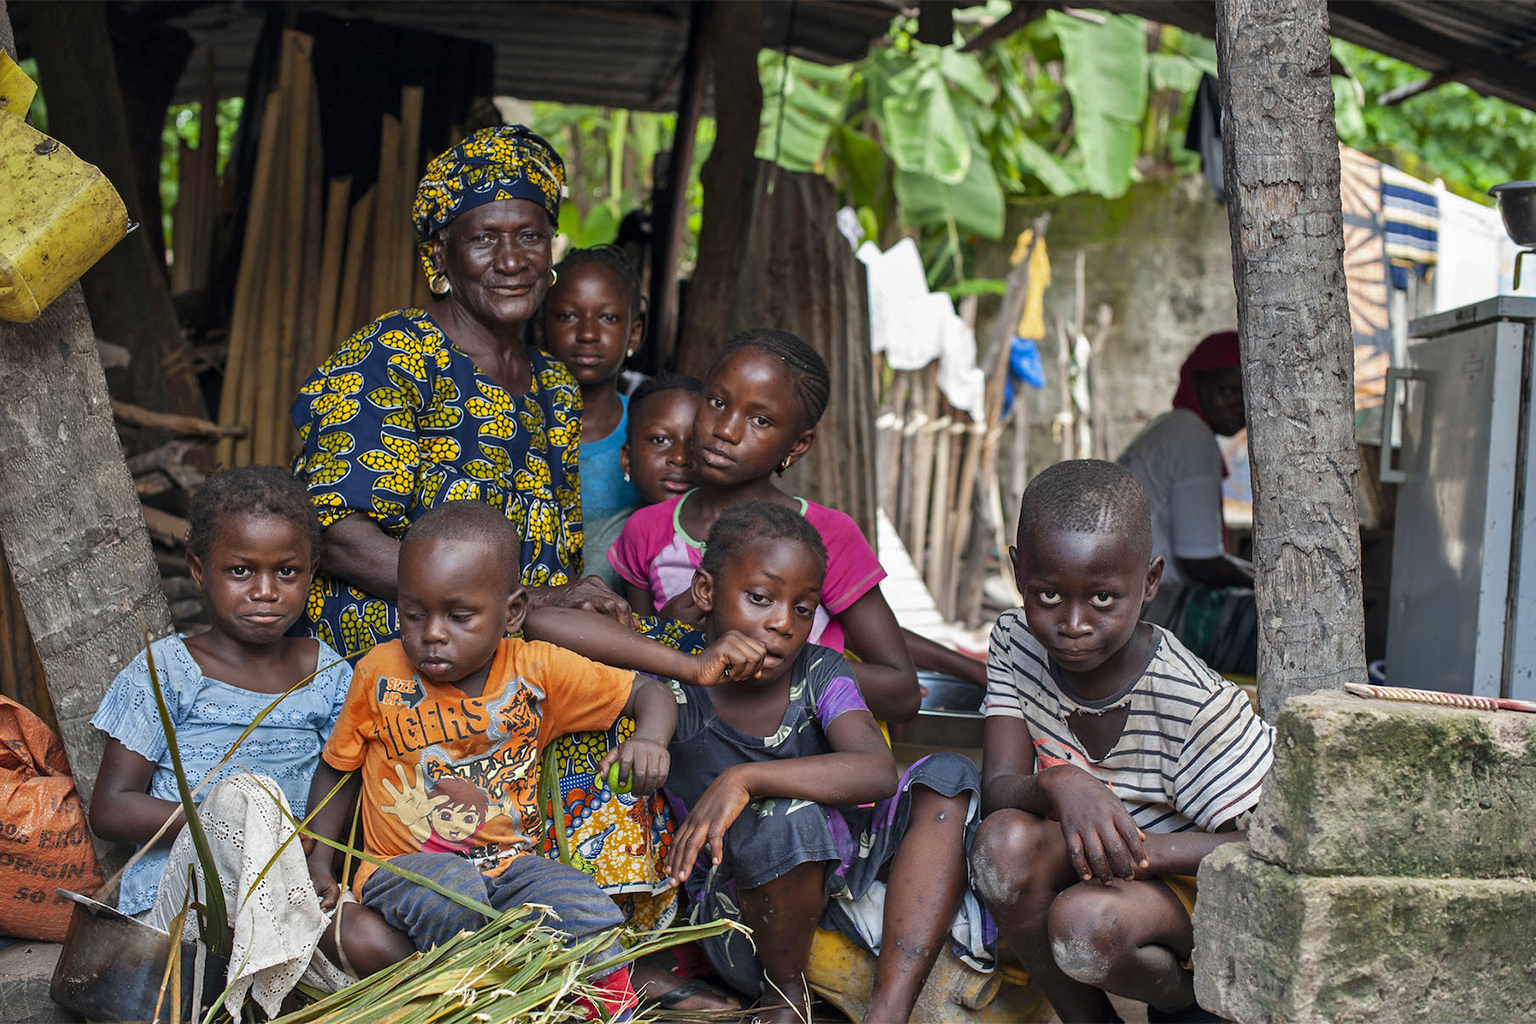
(707, 822)
(733, 656)
(412, 804)
(683, 609)
(643, 762)
(324, 880)
(1103, 842)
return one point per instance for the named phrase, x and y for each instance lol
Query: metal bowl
(951, 714)
(1517, 205)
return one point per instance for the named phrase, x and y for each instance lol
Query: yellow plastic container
(58, 214)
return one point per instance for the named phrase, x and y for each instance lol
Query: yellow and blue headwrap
(502, 162)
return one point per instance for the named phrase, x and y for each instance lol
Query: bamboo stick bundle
(981, 457)
(407, 175)
(249, 286)
(940, 494)
(354, 292)
(286, 275)
(900, 383)
(922, 462)
(306, 223)
(387, 216)
(332, 249)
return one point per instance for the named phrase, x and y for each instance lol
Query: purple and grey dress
(771, 836)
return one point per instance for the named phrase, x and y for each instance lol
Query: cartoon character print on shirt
(446, 802)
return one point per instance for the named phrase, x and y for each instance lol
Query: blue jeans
(431, 919)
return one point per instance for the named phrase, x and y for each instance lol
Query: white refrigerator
(1462, 617)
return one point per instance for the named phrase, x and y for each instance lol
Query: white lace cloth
(278, 920)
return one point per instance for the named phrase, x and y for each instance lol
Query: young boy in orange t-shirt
(455, 705)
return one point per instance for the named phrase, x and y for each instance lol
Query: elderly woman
(452, 402)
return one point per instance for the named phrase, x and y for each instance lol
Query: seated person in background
(455, 701)
(789, 785)
(1114, 760)
(656, 459)
(1206, 597)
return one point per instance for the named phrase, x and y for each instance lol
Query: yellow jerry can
(58, 214)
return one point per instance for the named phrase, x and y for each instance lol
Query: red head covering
(1217, 351)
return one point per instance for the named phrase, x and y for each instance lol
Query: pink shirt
(655, 551)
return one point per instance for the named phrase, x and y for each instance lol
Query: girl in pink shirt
(762, 399)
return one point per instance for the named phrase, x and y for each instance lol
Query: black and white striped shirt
(1192, 755)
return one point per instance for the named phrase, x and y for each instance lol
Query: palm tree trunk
(1282, 168)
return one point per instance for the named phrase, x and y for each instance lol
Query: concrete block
(25, 970)
(1275, 946)
(1370, 787)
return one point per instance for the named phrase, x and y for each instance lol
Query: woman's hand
(733, 656)
(706, 824)
(643, 762)
(684, 609)
(1103, 842)
(589, 593)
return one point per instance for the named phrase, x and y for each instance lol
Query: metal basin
(1517, 205)
(950, 716)
(113, 967)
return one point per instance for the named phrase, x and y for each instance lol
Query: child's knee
(368, 942)
(1085, 935)
(933, 807)
(1010, 846)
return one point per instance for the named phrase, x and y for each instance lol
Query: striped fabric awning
(1412, 215)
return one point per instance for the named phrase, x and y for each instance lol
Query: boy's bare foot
(657, 985)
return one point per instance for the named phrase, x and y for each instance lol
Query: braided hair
(741, 526)
(813, 383)
(262, 491)
(612, 257)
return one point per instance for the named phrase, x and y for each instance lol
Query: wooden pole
(670, 210)
(69, 518)
(349, 309)
(1282, 170)
(732, 40)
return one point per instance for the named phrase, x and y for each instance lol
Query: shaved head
(1088, 496)
(476, 523)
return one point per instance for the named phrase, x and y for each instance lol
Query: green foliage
(1450, 132)
(184, 123)
(1104, 70)
(38, 112)
(609, 157)
(803, 104)
(933, 138)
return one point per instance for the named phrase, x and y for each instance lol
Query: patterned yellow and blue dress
(398, 420)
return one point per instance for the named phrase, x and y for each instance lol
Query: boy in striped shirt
(1114, 758)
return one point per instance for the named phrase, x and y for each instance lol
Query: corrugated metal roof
(622, 53)
(1489, 45)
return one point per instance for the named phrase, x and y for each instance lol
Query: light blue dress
(209, 717)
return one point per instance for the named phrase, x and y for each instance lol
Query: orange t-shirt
(446, 772)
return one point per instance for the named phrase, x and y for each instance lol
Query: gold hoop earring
(438, 282)
(554, 275)
(784, 465)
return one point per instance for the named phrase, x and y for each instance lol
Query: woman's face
(496, 257)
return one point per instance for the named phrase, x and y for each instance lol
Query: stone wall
(1389, 877)
(1160, 256)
